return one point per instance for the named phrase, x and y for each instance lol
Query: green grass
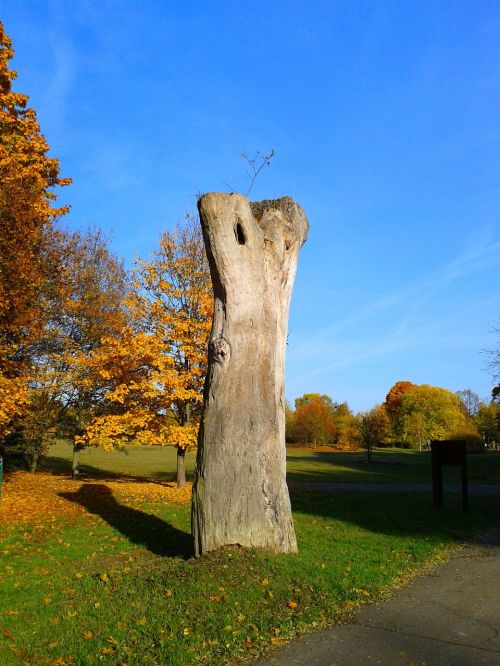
(159, 605)
(153, 462)
(120, 586)
(388, 466)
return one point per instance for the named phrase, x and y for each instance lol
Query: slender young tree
(157, 367)
(372, 428)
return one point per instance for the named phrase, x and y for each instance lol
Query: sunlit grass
(118, 584)
(389, 465)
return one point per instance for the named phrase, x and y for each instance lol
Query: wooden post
(437, 475)
(240, 494)
(448, 452)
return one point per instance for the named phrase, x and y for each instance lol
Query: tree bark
(240, 494)
(75, 463)
(34, 460)
(181, 468)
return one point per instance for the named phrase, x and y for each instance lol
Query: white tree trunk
(240, 494)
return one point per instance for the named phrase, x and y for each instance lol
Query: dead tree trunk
(240, 494)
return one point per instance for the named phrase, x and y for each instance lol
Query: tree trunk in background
(181, 468)
(75, 463)
(34, 460)
(240, 494)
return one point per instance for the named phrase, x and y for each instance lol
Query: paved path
(325, 486)
(449, 617)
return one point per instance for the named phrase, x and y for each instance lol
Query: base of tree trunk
(240, 494)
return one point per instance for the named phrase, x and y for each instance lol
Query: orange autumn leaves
(27, 178)
(39, 498)
(112, 370)
(155, 368)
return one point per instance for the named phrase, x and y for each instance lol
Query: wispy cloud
(398, 316)
(55, 101)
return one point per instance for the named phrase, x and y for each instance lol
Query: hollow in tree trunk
(240, 494)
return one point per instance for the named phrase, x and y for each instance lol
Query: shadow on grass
(139, 527)
(59, 465)
(406, 514)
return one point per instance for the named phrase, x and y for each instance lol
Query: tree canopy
(28, 177)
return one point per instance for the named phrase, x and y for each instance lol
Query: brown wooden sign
(448, 452)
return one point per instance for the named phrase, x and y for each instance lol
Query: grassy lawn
(389, 465)
(102, 571)
(153, 462)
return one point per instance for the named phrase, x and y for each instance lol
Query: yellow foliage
(155, 368)
(27, 179)
(39, 498)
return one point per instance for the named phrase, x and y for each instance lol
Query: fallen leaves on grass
(36, 498)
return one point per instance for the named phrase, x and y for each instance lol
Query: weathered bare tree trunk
(240, 494)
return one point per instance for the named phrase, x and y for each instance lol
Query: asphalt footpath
(447, 617)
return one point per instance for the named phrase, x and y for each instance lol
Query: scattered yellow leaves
(292, 604)
(87, 635)
(37, 498)
(169, 593)
(104, 577)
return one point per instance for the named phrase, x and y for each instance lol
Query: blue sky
(385, 121)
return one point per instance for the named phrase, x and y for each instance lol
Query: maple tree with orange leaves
(27, 213)
(156, 369)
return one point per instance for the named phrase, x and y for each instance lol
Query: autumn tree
(487, 421)
(156, 368)
(345, 426)
(372, 428)
(393, 399)
(318, 419)
(27, 213)
(428, 412)
(313, 421)
(80, 308)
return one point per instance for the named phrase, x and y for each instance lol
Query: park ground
(100, 570)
